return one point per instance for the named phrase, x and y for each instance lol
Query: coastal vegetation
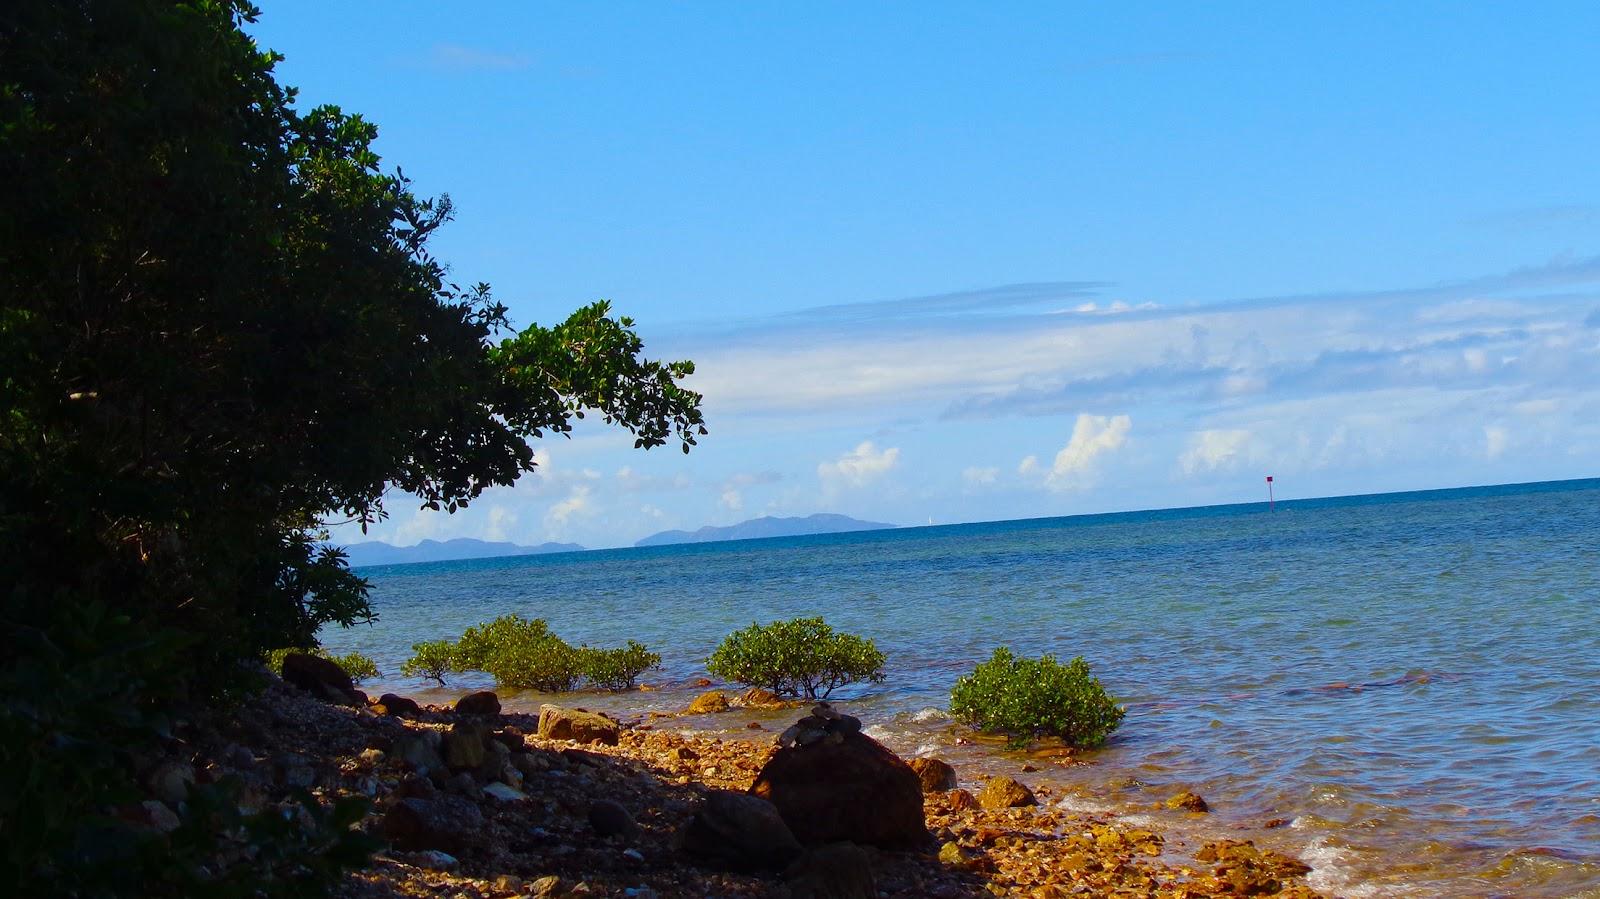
(799, 657)
(221, 326)
(1024, 698)
(524, 653)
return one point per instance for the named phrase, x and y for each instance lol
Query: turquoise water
(1411, 680)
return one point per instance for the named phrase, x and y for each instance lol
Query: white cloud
(859, 467)
(1092, 436)
(577, 503)
(980, 477)
(1219, 449)
(1495, 440)
(1028, 466)
(731, 500)
(501, 520)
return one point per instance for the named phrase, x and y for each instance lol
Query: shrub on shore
(358, 666)
(1025, 698)
(799, 657)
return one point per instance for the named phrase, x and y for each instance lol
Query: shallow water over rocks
(1407, 685)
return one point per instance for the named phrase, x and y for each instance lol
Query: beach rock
(512, 738)
(321, 678)
(434, 860)
(449, 823)
(547, 887)
(1249, 871)
(839, 871)
(482, 702)
(952, 855)
(149, 816)
(556, 723)
(504, 792)
(962, 801)
(708, 703)
(610, 819)
(1187, 801)
(170, 780)
(846, 788)
(758, 698)
(420, 750)
(464, 746)
(1005, 792)
(399, 706)
(936, 776)
(739, 831)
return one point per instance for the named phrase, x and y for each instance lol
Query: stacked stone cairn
(824, 724)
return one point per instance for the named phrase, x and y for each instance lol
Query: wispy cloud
(460, 58)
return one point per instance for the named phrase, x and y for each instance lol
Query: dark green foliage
(1025, 698)
(803, 656)
(525, 654)
(220, 326)
(432, 659)
(617, 669)
(358, 666)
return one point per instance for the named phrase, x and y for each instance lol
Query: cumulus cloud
(980, 477)
(1495, 440)
(578, 502)
(1076, 465)
(859, 467)
(1217, 448)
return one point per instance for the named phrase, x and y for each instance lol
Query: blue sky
(995, 261)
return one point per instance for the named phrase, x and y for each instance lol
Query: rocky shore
(475, 802)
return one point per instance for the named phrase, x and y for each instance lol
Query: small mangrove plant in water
(799, 657)
(1025, 698)
(524, 653)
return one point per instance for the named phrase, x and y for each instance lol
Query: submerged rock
(1188, 801)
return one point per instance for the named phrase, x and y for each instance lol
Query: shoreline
(661, 776)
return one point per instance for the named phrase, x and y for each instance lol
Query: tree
(220, 324)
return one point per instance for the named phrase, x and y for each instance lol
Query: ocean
(1406, 686)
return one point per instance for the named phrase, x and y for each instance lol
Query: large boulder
(739, 831)
(445, 822)
(846, 788)
(483, 703)
(936, 776)
(321, 678)
(556, 723)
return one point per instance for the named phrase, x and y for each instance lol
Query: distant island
(376, 552)
(822, 523)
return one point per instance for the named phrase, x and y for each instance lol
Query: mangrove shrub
(800, 657)
(1025, 698)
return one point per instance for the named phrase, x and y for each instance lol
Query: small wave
(1330, 872)
(929, 715)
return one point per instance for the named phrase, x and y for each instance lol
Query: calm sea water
(1412, 681)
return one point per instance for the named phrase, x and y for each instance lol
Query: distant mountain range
(377, 552)
(766, 527)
